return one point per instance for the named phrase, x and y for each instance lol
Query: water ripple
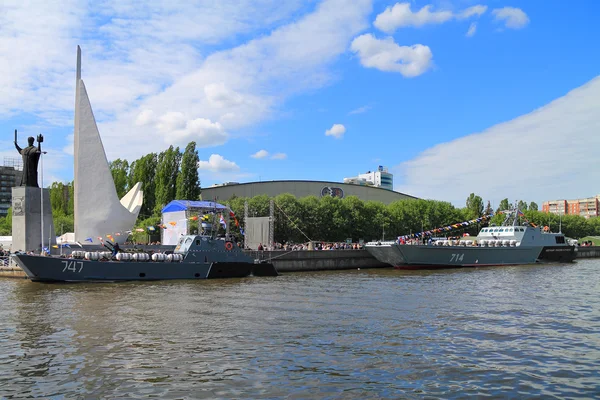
(513, 332)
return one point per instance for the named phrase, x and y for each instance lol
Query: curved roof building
(302, 189)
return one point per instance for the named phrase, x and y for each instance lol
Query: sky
(500, 97)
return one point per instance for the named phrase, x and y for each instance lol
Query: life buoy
(228, 246)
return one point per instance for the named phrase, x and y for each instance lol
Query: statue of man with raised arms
(31, 157)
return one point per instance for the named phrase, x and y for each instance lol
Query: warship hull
(432, 257)
(54, 269)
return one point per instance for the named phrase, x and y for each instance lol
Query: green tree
(288, 219)
(488, 209)
(144, 170)
(6, 223)
(474, 206)
(533, 206)
(120, 171)
(522, 205)
(188, 182)
(504, 205)
(167, 170)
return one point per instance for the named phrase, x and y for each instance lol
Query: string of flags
(447, 228)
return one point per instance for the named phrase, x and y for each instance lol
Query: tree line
(172, 174)
(332, 219)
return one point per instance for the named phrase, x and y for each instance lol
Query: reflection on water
(515, 332)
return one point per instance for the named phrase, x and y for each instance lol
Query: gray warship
(194, 257)
(511, 243)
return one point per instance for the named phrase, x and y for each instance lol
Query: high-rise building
(588, 207)
(379, 178)
(10, 176)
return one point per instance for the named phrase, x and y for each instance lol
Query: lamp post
(42, 197)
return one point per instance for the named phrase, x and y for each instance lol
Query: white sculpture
(98, 210)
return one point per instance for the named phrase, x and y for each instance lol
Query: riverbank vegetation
(173, 174)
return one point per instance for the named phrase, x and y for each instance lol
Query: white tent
(176, 214)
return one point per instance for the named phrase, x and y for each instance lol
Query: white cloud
(171, 121)
(472, 29)
(216, 163)
(337, 131)
(219, 96)
(550, 153)
(158, 57)
(260, 154)
(386, 55)
(279, 156)
(476, 11)
(145, 117)
(400, 15)
(513, 18)
(360, 110)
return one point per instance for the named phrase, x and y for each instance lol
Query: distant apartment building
(380, 178)
(588, 207)
(10, 176)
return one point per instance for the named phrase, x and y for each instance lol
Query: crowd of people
(315, 246)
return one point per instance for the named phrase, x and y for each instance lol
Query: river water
(510, 332)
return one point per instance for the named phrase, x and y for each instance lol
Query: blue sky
(500, 98)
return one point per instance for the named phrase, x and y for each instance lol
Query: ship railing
(7, 262)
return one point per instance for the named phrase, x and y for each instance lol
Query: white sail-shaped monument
(98, 211)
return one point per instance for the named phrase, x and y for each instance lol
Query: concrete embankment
(9, 269)
(318, 260)
(588, 252)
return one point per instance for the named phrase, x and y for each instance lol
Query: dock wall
(318, 260)
(588, 252)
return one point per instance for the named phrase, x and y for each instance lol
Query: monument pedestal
(27, 217)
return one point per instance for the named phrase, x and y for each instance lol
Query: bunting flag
(151, 228)
(139, 229)
(206, 217)
(129, 232)
(89, 240)
(242, 231)
(194, 218)
(172, 223)
(222, 221)
(118, 233)
(448, 228)
(57, 246)
(100, 238)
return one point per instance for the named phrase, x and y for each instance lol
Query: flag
(231, 214)
(242, 231)
(118, 233)
(56, 246)
(89, 240)
(194, 218)
(129, 232)
(79, 244)
(100, 238)
(139, 230)
(520, 213)
(172, 223)
(222, 221)
(151, 228)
